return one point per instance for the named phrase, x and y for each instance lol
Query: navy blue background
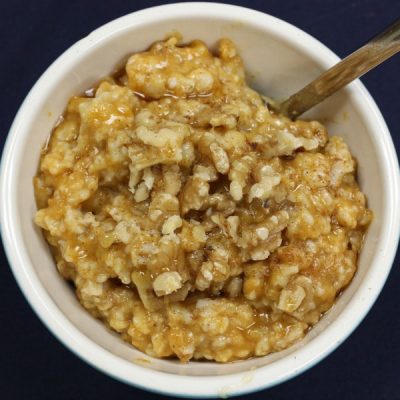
(34, 365)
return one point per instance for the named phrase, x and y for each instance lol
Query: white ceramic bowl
(279, 59)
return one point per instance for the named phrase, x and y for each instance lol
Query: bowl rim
(162, 382)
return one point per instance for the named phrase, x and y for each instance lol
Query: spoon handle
(379, 49)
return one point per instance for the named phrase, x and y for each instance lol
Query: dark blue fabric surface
(34, 364)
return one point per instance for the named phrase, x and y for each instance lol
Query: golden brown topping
(192, 220)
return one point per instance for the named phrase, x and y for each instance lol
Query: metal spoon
(376, 51)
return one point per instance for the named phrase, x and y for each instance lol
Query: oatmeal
(190, 218)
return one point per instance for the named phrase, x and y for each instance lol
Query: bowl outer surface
(297, 57)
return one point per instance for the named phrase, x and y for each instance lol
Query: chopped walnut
(167, 283)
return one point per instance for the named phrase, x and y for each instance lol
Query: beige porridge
(190, 218)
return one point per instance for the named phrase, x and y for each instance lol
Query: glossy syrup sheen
(191, 219)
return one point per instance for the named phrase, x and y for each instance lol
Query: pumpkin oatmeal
(190, 218)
